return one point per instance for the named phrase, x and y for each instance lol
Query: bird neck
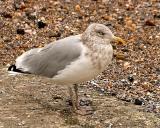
(101, 52)
(94, 43)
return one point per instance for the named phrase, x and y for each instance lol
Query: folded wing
(50, 59)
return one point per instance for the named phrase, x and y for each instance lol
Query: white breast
(83, 69)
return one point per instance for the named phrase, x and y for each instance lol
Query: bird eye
(100, 33)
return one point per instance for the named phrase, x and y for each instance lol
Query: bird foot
(85, 110)
(83, 107)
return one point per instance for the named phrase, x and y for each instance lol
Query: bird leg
(72, 98)
(75, 103)
(76, 95)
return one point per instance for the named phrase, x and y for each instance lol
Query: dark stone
(114, 47)
(130, 78)
(113, 93)
(125, 99)
(157, 15)
(120, 20)
(44, 9)
(41, 24)
(80, 17)
(20, 31)
(108, 24)
(6, 15)
(69, 102)
(149, 23)
(138, 102)
(57, 97)
(125, 50)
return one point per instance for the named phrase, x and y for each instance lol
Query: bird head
(101, 33)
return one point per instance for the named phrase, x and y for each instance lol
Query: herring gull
(72, 60)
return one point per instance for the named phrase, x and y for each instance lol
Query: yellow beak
(119, 40)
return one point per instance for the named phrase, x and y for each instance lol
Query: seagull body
(67, 61)
(72, 60)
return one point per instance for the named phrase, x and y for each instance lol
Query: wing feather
(50, 59)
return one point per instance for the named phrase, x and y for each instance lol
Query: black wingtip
(13, 68)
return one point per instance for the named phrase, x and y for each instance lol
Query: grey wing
(47, 61)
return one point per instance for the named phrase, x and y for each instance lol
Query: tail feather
(14, 69)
